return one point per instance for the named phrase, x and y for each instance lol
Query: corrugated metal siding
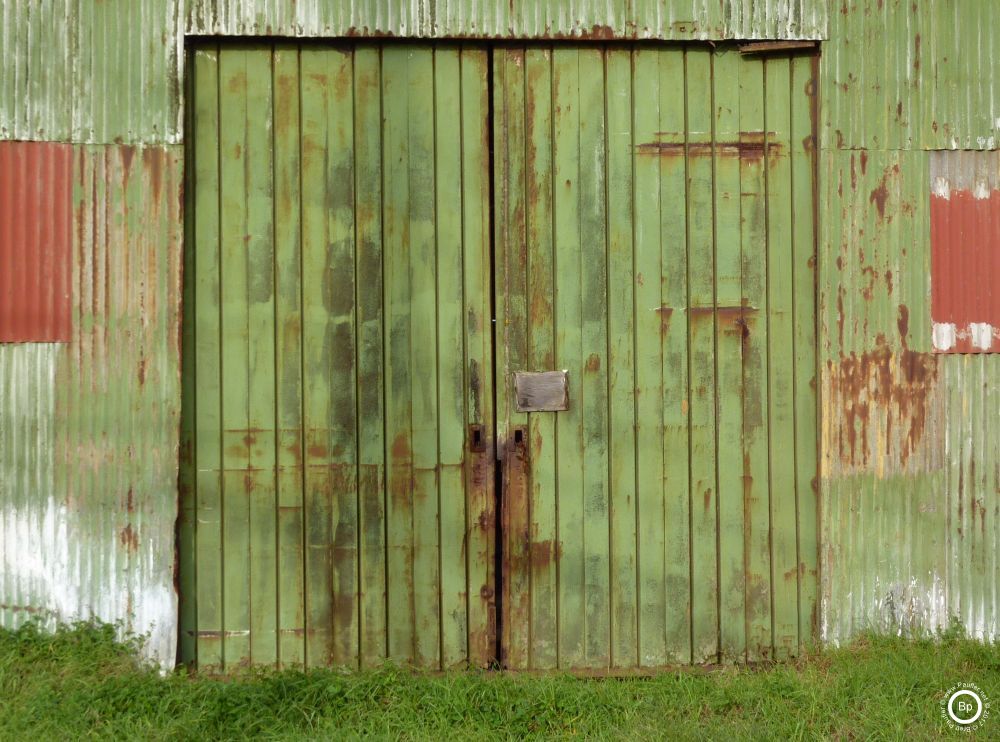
(83, 71)
(909, 459)
(874, 252)
(912, 550)
(27, 528)
(89, 432)
(899, 74)
(35, 241)
(127, 70)
(643, 19)
(36, 87)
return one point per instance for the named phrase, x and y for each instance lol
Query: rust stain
(401, 449)
(880, 194)
(401, 479)
(543, 553)
(475, 389)
(237, 82)
(665, 314)
(129, 538)
(751, 145)
(593, 363)
(884, 388)
(314, 451)
(127, 154)
(152, 162)
(747, 486)
(878, 197)
(903, 323)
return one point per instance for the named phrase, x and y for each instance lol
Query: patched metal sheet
(537, 19)
(541, 391)
(35, 242)
(965, 251)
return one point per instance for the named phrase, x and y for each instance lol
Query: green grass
(80, 683)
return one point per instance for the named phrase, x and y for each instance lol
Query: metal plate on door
(541, 391)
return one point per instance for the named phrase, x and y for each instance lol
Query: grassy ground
(81, 683)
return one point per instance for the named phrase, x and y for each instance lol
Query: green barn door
(336, 484)
(655, 240)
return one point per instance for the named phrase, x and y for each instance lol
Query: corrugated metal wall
(88, 469)
(900, 74)
(84, 71)
(607, 19)
(910, 513)
(896, 78)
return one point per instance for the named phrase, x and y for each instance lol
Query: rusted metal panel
(88, 430)
(899, 74)
(538, 19)
(965, 251)
(84, 71)
(35, 242)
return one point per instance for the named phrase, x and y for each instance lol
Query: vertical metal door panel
(701, 391)
(656, 238)
(803, 80)
(288, 357)
(337, 352)
(729, 367)
(753, 217)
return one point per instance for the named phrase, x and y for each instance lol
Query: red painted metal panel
(35, 242)
(965, 251)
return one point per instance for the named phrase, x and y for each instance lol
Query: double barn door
(381, 239)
